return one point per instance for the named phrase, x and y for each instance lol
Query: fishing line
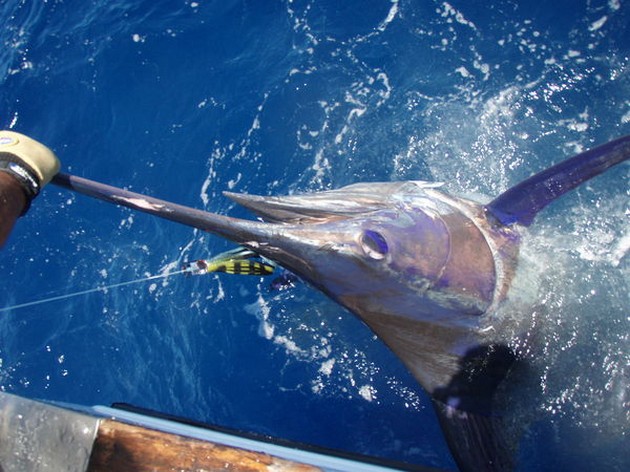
(91, 290)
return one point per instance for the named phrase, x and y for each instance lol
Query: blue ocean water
(184, 99)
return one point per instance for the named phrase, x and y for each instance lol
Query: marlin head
(397, 248)
(419, 267)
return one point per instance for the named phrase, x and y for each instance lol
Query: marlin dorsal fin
(521, 203)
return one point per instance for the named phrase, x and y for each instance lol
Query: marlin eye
(374, 244)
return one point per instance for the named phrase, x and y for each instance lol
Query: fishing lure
(240, 261)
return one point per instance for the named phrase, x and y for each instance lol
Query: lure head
(409, 261)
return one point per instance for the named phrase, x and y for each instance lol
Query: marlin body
(426, 271)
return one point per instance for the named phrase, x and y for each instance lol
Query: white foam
(327, 367)
(288, 344)
(320, 166)
(368, 393)
(598, 24)
(232, 183)
(451, 12)
(463, 71)
(391, 14)
(127, 222)
(216, 155)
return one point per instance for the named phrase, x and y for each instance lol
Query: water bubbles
(598, 24)
(368, 393)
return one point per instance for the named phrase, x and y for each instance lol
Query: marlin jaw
(419, 267)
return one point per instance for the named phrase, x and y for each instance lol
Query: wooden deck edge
(124, 447)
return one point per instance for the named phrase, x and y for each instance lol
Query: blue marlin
(425, 270)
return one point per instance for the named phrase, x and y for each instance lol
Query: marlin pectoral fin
(478, 442)
(521, 203)
(466, 410)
